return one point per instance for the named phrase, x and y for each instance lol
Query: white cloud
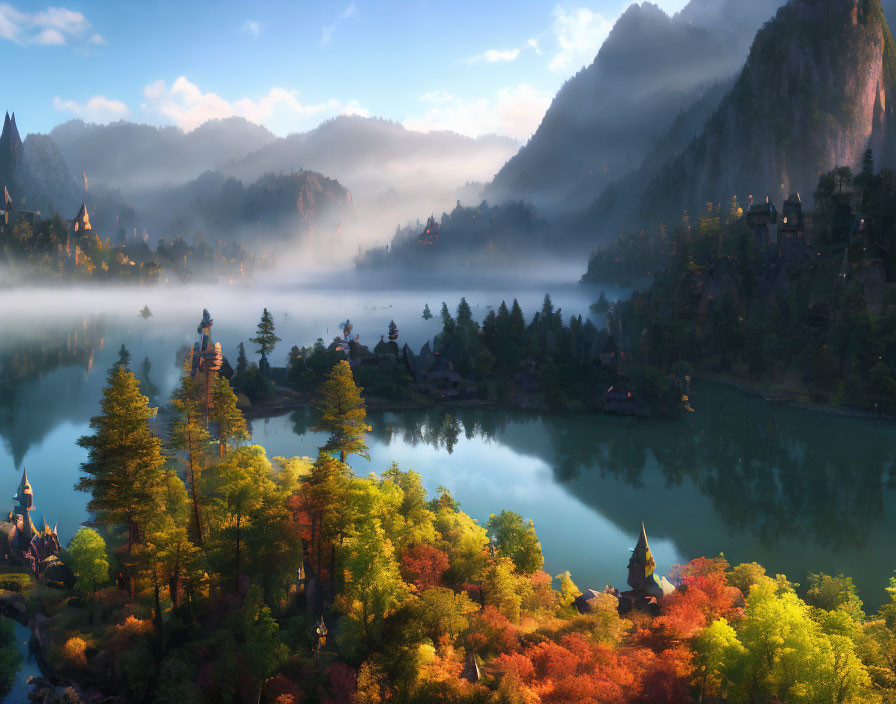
(493, 55)
(514, 111)
(280, 110)
(55, 26)
(252, 27)
(326, 33)
(579, 33)
(533, 44)
(95, 109)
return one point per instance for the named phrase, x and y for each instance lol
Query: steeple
(25, 495)
(641, 565)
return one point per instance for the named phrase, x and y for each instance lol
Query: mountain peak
(817, 90)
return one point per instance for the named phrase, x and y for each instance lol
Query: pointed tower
(641, 565)
(24, 499)
(81, 223)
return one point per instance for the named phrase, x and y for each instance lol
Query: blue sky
(473, 67)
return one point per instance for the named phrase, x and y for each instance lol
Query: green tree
(225, 414)
(568, 589)
(145, 312)
(259, 636)
(187, 433)
(145, 383)
(427, 314)
(241, 362)
(517, 540)
(829, 593)
(373, 586)
(242, 483)
(86, 557)
(124, 459)
(265, 337)
(342, 413)
(167, 554)
(717, 651)
(124, 357)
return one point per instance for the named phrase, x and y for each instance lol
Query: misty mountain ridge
(603, 120)
(136, 157)
(392, 172)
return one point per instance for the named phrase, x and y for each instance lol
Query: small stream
(28, 669)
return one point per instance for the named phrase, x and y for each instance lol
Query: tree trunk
(238, 520)
(174, 587)
(158, 609)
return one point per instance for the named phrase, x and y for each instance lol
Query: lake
(794, 490)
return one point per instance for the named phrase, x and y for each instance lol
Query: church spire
(641, 565)
(25, 494)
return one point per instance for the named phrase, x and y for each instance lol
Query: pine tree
(124, 459)
(225, 414)
(342, 413)
(145, 383)
(241, 362)
(266, 339)
(124, 357)
(187, 433)
(393, 331)
(145, 312)
(427, 314)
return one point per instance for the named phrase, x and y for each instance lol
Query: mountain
(603, 120)
(817, 90)
(394, 173)
(615, 207)
(275, 210)
(138, 158)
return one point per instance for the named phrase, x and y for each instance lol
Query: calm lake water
(794, 490)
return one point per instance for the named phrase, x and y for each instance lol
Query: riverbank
(790, 396)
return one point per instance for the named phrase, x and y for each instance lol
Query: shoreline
(293, 401)
(784, 398)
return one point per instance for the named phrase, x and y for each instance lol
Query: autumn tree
(124, 459)
(323, 498)
(265, 336)
(224, 413)
(187, 434)
(393, 331)
(342, 413)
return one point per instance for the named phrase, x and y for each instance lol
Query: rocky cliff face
(604, 120)
(817, 91)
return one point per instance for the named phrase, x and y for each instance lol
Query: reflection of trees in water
(768, 471)
(27, 358)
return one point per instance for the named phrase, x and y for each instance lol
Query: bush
(15, 581)
(74, 653)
